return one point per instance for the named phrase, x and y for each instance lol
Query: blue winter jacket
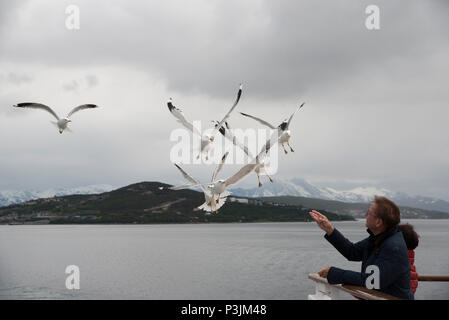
(387, 251)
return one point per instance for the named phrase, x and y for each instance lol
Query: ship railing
(327, 291)
(433, 277)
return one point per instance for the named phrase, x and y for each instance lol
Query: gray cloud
(15, 78)
(71, 86)
(279, 48)
(376, 100)
(92, 80)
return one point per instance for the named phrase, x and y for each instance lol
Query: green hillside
(145, 203)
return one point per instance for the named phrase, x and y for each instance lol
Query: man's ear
(379, 223)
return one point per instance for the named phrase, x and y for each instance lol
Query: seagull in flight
(218, 188)
(206, 140)
(212, 202)
(260, 169)
(226, 132)
(284, 133)
(61, 123)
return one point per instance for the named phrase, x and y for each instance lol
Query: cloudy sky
(376, 100)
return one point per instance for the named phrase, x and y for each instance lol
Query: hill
(144, 203)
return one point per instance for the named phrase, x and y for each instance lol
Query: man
(384, 251)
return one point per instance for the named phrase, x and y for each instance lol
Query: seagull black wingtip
(170, 105)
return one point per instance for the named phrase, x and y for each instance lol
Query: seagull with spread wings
(213, 202)
(218, 188)
(61, 123)
(260, 169)
(284, 133)
(206, 140)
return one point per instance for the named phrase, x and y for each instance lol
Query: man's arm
(351, 251)
(337, 275)
(387, 263)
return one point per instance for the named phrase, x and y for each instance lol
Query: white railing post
(324, 292)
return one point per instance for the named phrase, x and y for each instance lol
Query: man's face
(373, 222)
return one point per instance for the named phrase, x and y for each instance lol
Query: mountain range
(8, 197)
(144, 202)
(294, 187)
(301, 188)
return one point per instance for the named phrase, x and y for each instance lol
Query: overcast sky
(376, 108)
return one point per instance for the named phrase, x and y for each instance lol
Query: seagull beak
(211, 139)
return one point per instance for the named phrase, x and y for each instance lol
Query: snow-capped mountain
(302, 188)
(9, 197)
(294, 187)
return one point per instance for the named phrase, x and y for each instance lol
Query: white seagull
(260, 169)
(212, 201)
(61, 123)
(206, 140)
(226, 131)
(284, 133)
(218, 188)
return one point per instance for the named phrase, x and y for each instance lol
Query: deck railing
(434, 277)
(326, 291)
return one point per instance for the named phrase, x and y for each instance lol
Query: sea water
(191, 261)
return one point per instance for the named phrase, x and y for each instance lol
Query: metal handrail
(433, 277)
(359, 292)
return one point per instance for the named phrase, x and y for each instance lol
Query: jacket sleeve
(390, 269)
(337, 275)
(351, 251)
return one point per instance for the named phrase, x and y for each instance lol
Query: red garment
(413, 272)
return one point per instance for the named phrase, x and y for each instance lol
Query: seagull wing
(37, 106)
(247, 169)
(259, 120)
(291, 117)
(272, 140)
(243, 172)
(186, 186)
(189, 178)
(219, 166)
(239, 94)
(179, 115)
(81, 107)
(227, 133)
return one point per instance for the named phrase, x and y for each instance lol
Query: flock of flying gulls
(215, 191)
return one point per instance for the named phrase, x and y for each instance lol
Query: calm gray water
(206, 261)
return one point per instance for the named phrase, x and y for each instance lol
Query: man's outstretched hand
(322, 221)
(323, 272)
